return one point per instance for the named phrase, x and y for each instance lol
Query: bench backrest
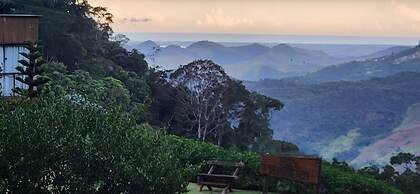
(226, 163)
(214, 163)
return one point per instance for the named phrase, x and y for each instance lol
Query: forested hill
(402, 61)
(336, 119)
(77, 34)
(88, 63)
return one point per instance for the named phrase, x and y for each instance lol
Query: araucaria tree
(0, 83)
(31, 72)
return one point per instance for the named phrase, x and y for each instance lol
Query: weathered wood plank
(226, 163)
(18, 29)
(219, 180)
(299, 168)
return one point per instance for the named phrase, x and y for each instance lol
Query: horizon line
(272, 38)
(269, 34)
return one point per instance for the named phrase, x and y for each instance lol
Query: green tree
(406, 177)
(31, 72)
(107, 92)
(6, 6)
(212, 107)
(388, 174)
(404, 159)
(90, 47)
(60, 147)
(200, 88)
(254, 130)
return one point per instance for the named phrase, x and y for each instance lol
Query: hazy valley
(334, 104)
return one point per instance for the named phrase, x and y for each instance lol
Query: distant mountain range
(283, 61)
(385, 52)
(245, 62)
(258, 61)
(398, 59)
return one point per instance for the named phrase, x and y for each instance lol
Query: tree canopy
(88, 61)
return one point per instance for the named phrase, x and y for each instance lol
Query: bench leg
(230, 189)
(225, 190)
(208, 187)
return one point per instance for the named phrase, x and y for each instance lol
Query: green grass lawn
(194, 189)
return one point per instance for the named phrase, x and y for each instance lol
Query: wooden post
(318, 186)
(265, 189)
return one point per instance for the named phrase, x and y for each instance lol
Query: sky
(378, 18)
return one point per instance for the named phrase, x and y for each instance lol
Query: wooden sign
(293, 167)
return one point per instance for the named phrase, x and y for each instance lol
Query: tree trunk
(219, 140)
(199, 130)
(205, 132)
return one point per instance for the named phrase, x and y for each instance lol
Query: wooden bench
(225, 181)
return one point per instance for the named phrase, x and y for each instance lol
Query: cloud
(137, 20)
(218, 18)
(406, 11)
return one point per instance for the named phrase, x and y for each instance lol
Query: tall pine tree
(31, 71)
(1, 91)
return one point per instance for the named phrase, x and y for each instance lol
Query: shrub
(63, 148)
(60, 148)
(334, 179)
(197, 152)
(347, 181)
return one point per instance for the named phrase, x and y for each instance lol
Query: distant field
(193, 189)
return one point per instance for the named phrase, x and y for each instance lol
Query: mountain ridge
(239, 61)
(405, 60)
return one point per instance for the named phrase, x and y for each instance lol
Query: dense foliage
(336, 177)
(403, 172)
(94, 66)
(339, 178)
(68, 147)
(211, 106)
(78, 36)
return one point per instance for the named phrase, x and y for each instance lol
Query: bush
(63, 148)
(60, 148)
(197, 153)
(347, 181)
(334, 179)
